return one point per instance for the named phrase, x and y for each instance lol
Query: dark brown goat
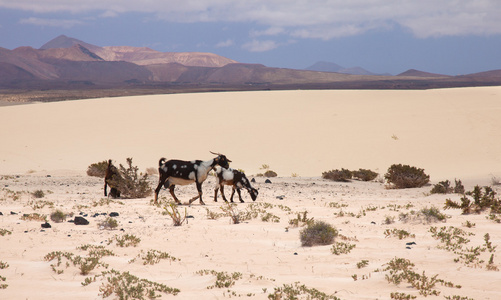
(110, 176)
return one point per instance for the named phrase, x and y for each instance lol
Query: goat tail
(161, 161)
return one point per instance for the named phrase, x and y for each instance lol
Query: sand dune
(451, 133)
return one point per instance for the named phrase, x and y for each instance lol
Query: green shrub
(481, 201)
(177, 218)
(109, 223)
(130, 183)
(58, 216)
(405, 176)
(444, 187)
(432, 214)
(364, 175)
(98, 169)
(318, 233)
(342, 175)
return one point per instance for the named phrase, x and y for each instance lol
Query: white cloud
(260, 46)
(226, 43)
(50, 22)
(302, 18)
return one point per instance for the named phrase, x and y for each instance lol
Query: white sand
(451, 133)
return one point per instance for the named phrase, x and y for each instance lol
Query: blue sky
(383, 36)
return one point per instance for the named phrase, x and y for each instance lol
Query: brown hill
(417, 73)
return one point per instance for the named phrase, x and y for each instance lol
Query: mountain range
(67, 63)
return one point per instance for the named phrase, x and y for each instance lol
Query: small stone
(253, 180)
(46, 225)
(13, 213)
(267, 181)
(114, 214)
(410, 243)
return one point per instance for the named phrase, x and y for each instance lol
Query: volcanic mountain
(69, 63)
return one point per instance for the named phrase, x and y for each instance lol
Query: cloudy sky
(383, 36)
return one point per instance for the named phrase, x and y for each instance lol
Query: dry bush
(58, 216)
(405, 176)
(364, 175)
(98, 169)
(342, 175)
(318, 233)
(130, 183)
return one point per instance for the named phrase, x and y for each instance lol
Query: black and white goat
(111, 175)
(180, 172)
(235, 178)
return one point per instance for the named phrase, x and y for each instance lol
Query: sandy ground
(452, 133)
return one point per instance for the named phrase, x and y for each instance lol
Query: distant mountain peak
(325, 66)
(61, 41)
(417, 73)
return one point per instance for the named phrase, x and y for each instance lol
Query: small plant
(3, 265)
(126, 240)
(432, 214)
(108, 223)
(401, 270)
(364, 175)
(153, 257)
(362, 264)
(342, 175)
(58, 216)
(34, 217)
(213, 215)
(127, 286)
(318, 233)
(176, 217)
(389, 220)
(292, 291)
(401, 296)
(469, 224)
(38, 194)
(223, 279)
(130, 183)
(342, 248)
(230, 210)
(3, 232)
(301, 220)
(401, 234)
(97, 169)
(404, 176)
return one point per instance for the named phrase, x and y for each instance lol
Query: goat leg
(239, 195)
(171, 190)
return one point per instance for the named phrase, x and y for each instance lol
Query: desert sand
(450, 133)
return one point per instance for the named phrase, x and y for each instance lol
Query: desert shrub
(405, 176)
(97, 169)
(432, 214)
(445, 187)
(292, 291)
(126, 240)
(364, 175)
(223, 279)
(482, 200)
(270, 173)
(34, 217)
(342, 175)
(318, 233)
(342, 248)
(108, 223)
(127, 286)
(175, 215)
(58, 216)
(131, 184)
(38, 194)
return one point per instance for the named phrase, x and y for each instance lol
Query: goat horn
(215, 153)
